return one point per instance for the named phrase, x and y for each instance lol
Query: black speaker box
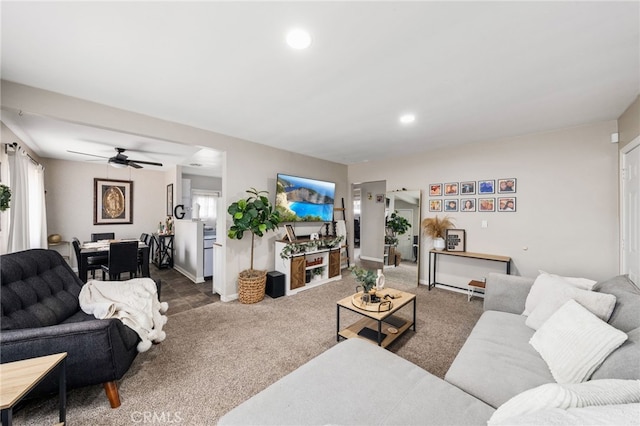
(275, 284)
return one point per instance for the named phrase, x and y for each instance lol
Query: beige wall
(567, 217)
(629, 123)
(247, 164)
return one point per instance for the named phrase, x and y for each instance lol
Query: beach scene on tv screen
(304, 200)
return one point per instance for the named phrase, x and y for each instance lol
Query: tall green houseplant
(255, 215)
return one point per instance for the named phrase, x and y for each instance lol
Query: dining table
(98, 248)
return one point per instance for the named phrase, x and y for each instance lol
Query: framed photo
(379, 198)
(486, 186)
(451, 205)
(467, 204)
(451, 188)
(112, 201)
(507, 186)
(507, 204)
(455, 240)
(486, 204)
(291, 235)
(468, 188)
(435, 190)
(435, 205)
(170, 199)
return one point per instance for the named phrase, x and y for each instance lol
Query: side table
(18, 378)
(163, 255)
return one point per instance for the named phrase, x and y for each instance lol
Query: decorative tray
(381, 306)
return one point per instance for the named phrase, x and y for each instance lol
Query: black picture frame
(507, 204)
(435, 190)
(291, 235)
(455, 240)
(468, 188)
(486, 186)
(170, 199)
(451, 205)
(112, 201)
(507, 186)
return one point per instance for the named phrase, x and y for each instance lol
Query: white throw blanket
(134, 302)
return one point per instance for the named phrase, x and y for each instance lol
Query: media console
(308, 269)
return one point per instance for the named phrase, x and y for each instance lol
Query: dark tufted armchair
(41, 315)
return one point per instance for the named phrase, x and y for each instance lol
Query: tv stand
(325, 261)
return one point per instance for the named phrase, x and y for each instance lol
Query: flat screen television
(301, 199)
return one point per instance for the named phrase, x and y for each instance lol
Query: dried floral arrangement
(435, 227)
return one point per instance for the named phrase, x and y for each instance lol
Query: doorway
(630, 210)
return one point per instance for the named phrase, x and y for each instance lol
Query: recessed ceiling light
(298, 39)
(407, 118)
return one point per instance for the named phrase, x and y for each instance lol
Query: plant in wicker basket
(256, 215)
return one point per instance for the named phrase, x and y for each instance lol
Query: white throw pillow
(544, 282)
(554, 395)
(613, 415)
(574, 342)
(599, 304)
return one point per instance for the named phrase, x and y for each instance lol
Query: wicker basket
(251, 288)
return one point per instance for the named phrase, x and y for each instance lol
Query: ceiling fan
(121, 160)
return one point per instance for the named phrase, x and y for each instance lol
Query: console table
(163, 255)
(482, 256)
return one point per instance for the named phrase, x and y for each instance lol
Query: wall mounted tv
(301, 199)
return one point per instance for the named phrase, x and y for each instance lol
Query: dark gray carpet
(218, 355)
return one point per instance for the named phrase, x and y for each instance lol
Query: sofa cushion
(625, 315)
(554, 395)
(38, 289)
(600, 304)
(624, 362)
(574, 342)
(497, 362)
(615, 415)
(356, 382)
(545, 283)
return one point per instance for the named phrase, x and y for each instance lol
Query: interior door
(405, 241)
(630, 197)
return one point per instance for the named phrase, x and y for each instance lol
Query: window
(208, 201)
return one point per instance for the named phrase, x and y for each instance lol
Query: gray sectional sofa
(495, 364)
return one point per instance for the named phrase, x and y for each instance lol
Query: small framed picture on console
(455, 240)
(291, 235)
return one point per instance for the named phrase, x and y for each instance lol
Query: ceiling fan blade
(150, 163)
(134, 165)
(84, 153)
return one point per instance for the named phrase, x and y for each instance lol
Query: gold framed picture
(112, 201)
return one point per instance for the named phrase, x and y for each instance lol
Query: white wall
(69, 197)
(567, 214)
(246, 164)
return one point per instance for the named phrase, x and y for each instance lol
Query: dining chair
(93, 262)
(103, 236)
(144, 237)
(123, 257)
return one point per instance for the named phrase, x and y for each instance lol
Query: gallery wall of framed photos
(490, 195)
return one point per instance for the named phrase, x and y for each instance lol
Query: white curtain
(27, 219)
(207, 201)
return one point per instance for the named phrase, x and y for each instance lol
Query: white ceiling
(469, 71)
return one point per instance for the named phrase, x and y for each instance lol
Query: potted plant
(397, 225)
(256, 215)
(436, 228)
(5, 197)
(365, 277)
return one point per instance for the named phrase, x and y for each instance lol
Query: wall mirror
(402, 243)
(376, 246)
